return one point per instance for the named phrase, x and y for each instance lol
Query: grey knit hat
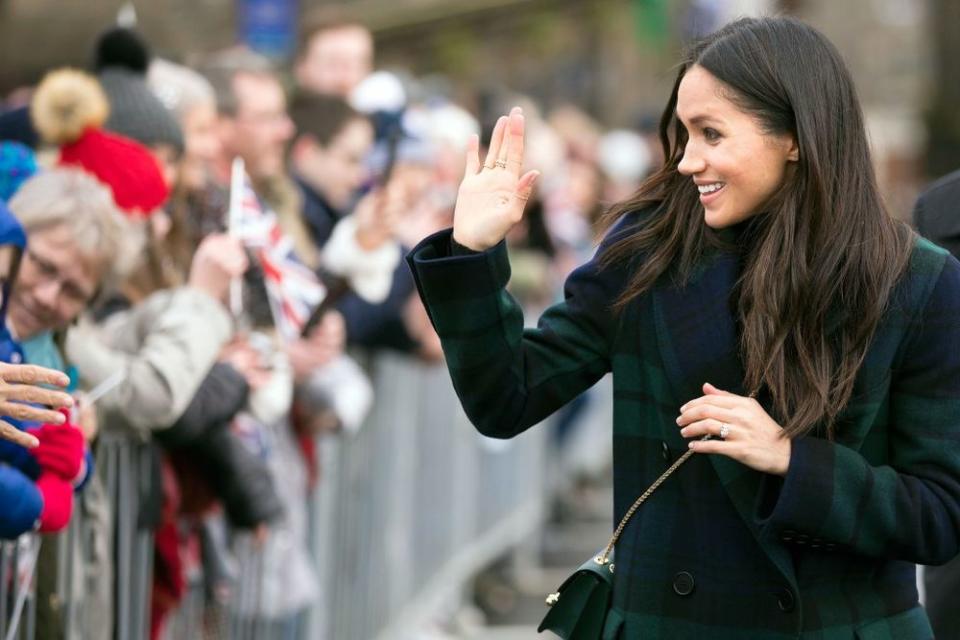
(136, 112)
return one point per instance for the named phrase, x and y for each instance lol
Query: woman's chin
(716, 220)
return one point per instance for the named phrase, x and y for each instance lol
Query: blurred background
(411, 524)
(611, 57)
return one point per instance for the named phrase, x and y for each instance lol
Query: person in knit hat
(190, 98)
(82, 217)
(69, 109)
(122, 58)
(36, 485)
(12, 396)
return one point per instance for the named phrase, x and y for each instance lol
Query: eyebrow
(699, 119)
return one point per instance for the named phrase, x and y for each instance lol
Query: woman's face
(201, 145)
(734, 163)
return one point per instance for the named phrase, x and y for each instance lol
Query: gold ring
(501, 163)
(488, 166)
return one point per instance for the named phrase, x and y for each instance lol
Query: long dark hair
(823, 254)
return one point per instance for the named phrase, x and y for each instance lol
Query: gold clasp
(553, 598)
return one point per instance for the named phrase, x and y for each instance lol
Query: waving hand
(493, 194)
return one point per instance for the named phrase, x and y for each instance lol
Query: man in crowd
(327, 158)
(937, 217)
(334, 57)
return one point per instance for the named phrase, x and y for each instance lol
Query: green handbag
(578, 610)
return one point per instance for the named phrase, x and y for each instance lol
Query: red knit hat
(68, 109)
(126, 166)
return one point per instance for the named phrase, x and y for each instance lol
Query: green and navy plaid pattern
(722, 551)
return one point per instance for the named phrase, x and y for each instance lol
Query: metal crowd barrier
(414, 504)
(407, 510)
(18, 560)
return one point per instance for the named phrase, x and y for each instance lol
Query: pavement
(511, 597)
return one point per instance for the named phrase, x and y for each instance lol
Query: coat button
(785, 600)
(683, 583)
(665, 451)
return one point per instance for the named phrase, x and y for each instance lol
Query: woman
(754, 290)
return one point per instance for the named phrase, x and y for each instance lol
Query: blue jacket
(19, 496)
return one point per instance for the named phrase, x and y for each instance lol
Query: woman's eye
(711, 135)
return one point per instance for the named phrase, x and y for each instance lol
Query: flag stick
(233, 228)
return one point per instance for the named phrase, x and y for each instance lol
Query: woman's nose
(691, 163)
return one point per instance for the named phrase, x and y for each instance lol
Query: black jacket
(238, 478)
(937, 213)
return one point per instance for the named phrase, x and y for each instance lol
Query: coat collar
(698, 339)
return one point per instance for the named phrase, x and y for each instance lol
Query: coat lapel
(697, 335)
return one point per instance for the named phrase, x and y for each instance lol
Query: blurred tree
(653, 22)
(943, 116)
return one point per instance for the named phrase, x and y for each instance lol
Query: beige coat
(165, 345)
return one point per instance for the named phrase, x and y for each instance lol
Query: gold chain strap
(602, 558)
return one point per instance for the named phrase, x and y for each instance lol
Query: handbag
(579, 608)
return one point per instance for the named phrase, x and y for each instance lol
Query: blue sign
(269, 26)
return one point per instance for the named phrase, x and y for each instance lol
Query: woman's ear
(793, 153)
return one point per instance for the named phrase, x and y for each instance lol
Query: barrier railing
(18, 561)
(407, 510)
(412, 505)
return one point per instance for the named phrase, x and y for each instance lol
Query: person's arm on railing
(20, 384)
(166, 345)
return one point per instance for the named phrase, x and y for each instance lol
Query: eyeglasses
(49, 272)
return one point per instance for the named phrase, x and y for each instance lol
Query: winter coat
(722, 551)
(19, 496)
(937, 218)
(202, 437)
(165, 345)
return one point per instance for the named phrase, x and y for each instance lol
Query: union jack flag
(293, 289)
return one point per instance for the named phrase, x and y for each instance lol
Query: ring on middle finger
(501, 163)
(724, 430)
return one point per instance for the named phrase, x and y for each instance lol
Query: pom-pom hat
(68, 109)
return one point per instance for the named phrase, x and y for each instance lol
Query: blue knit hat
(17, 164)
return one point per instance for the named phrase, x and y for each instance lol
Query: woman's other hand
(493, 194)
(750, 435)
(19, 384)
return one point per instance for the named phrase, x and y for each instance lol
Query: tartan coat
(720, 550)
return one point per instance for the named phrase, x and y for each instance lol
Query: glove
(60, 450)
(57, 496)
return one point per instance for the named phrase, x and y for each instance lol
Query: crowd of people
(201, 249)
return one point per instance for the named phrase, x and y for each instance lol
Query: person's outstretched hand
(492, 195)
(19, 384)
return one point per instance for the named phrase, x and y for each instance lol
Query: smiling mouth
(709, 189)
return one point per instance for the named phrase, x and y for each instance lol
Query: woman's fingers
(38, 395)
(513, 154)
(11, 433)
(709, 389)
(704, 411)
(700, 428)
(26, 412)
(726, 402)
(473, 156)
(32, 374)
(496, 142)
(526, 184)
